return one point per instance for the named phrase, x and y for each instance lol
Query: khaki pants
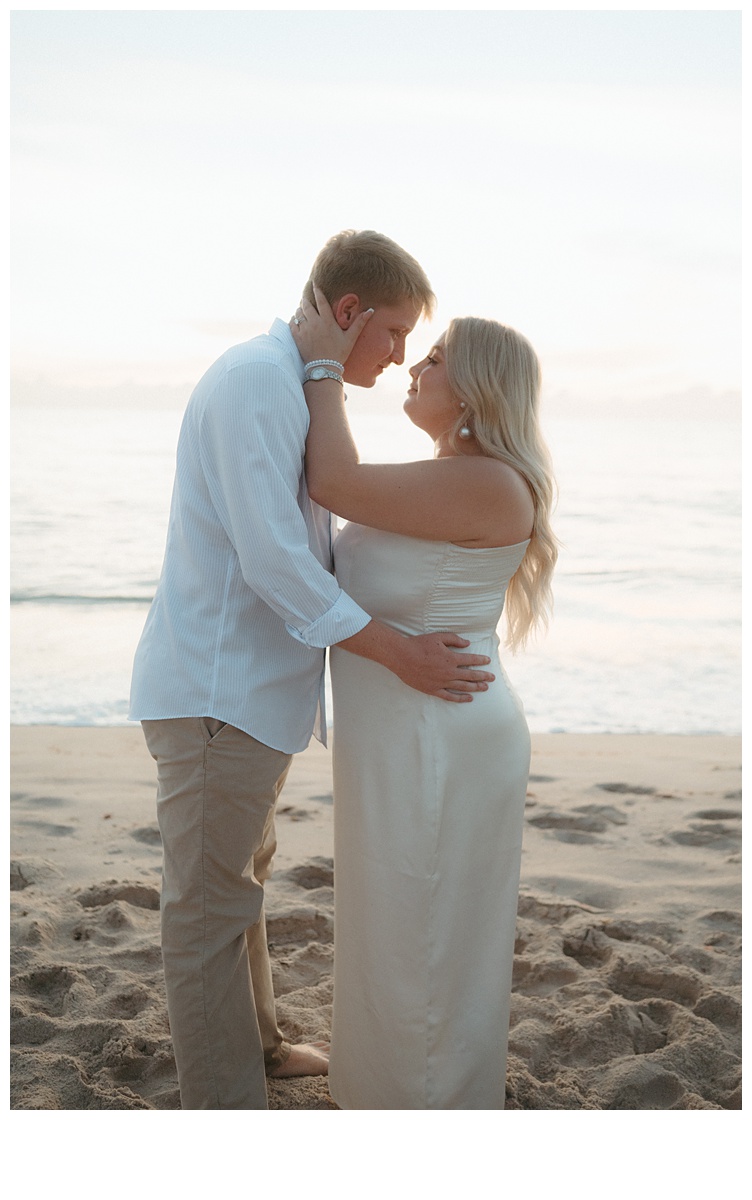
(217, 789)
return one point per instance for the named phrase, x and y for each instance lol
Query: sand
(627, 961)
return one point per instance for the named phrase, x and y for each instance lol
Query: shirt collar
(281, 332)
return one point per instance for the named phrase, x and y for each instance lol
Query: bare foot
(309, 1058)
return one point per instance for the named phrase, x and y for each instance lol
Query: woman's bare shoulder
(493, 474)
(506, 500)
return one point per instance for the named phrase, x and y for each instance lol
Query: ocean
(646, 630)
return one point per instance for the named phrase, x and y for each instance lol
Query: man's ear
(346, 310)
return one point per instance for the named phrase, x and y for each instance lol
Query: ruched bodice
(429, 798)
(418, 586)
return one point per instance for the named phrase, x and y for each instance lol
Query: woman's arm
(469, 500)
(472, 500)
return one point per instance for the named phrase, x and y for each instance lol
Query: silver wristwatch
(317, 373)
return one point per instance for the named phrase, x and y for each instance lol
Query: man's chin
(363, 377)
(361, 381)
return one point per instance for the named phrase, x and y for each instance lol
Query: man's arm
(251, 444)
(425, 661)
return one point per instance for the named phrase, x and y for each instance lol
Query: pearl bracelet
(325, 362)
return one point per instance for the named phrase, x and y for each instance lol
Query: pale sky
(575, 174)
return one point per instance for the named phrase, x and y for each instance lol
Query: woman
(429, 796)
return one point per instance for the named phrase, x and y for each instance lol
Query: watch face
(318, 373)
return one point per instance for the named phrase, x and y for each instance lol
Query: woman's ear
(346, 310)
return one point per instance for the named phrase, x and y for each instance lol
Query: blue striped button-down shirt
(246, 602)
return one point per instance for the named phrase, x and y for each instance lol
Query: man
(228, 675)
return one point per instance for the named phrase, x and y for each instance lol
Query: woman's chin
(406, 408)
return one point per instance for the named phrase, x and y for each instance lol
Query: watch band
(319, 373)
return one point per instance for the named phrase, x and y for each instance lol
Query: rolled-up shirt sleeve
(251, 436)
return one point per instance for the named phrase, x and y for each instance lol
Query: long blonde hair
(496, 372)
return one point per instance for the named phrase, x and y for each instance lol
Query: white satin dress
(428, 814)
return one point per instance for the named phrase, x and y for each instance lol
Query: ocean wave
(52, 598)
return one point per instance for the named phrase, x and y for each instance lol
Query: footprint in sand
(636, 1083)
(719, 814)
(306, 966)
(726, 931)
(615, 1029)
(594, 943)
(26, 871)
(109, 922)
(626, 789)
(299, 924)
(656, 934)
(127, 1002)
(18, 880)
(149, 835)
(294, 814)
(57, 1081)
(712, 834)
(568, 828)
(31, 1029)
(721, 1009)
(29, 801)
(641, 964)
(48, 987)
(542, 779)
(89, 1037)
(33, 931)
(589, 948)
(316, 873)
(48, 828)
(137, 894)
(729, 920)
(129, 1059)
(582, 823)
(550, 908)
(542, 978)
(638, 980)
(120, 924)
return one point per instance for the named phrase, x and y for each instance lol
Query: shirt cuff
(344, 619)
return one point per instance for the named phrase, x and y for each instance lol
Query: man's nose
(398, 353)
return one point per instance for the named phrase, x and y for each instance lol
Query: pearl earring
(465, 431)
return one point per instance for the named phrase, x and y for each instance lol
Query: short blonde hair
(495, 372)
(372, 267)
